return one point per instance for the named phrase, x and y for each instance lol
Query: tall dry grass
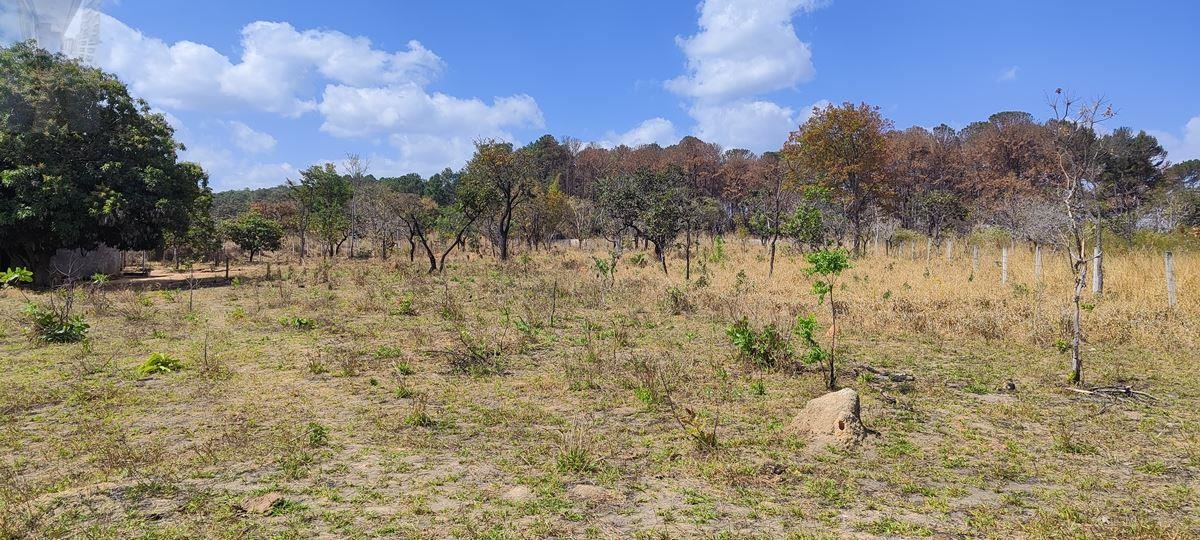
(929, 294)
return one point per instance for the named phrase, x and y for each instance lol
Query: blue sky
(258, 90)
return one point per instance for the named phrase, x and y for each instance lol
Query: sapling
(828, 264)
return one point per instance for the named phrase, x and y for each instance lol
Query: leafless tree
(1079, 151)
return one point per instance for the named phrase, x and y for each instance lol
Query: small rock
(588, 492)
(518, 494)
(832, 419)
(262, 503)
(771, 468)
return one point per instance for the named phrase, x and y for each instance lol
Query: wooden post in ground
(1037, 261)
(1169, 262)
(226, 266)
(974, 259)
(1004, 265)
(949, 248)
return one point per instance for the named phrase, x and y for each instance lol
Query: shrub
(159, 363)
(51, 325)
(765, 348)
(299, 323)
(676, 301)
(13, 276)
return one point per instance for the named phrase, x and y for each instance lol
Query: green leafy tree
(200, 239)
(253, 232)
(649, 202)
(1132, 172)
(498, 179)
(827, 265)
(82, 163)
(323, 199)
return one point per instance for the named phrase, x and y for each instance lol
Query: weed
(576, 449)
(318, 435)
(676, 301)
(298, 323)
(159, 363)
(55, 321)
(765, 348)
(418, 413)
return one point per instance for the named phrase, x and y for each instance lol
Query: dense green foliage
(253, 233)
(83, 163)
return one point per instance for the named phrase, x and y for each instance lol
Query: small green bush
(51, 326)
(299, 323)
(766, 348)
(318, 435)
(159, 363)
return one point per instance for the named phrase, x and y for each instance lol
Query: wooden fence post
(974, 259)
(1169, 262)
(1037, 261)
(1004, 265)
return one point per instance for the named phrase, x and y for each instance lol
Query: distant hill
(227, 204)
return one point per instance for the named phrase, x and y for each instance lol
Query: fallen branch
(897, 376)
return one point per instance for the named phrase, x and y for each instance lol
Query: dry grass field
(526, 401)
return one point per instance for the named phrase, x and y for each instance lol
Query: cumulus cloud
(357, 112)
(744, 47)
(657, 130)
(275, 72)
(1009, 74)
(250, 140)
(1181, 147)
(229, 171)
(360, 92)
(429, 131)
(753, 125)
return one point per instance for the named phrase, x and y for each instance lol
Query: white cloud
(1181, 148)
(228, 171)
(429, 131)
(275, 73)
(1009, 74)
(758, 126)
(653, 131)
(360, 92)
(744, 47)
(359, 112)
(250, 140)
(428, 154)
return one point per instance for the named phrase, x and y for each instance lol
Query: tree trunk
(1077, 323)
(833, 332)
(771, 268)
